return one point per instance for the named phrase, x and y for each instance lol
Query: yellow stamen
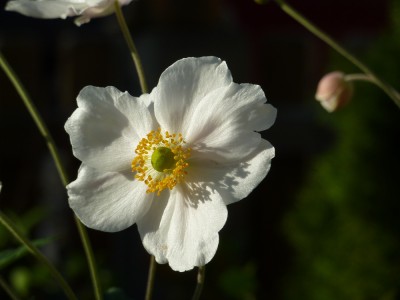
(154, 146)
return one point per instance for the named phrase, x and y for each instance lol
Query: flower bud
(334, 91)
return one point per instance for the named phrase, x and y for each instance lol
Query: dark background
(322, 225)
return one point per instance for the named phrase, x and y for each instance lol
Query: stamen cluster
(157, 181)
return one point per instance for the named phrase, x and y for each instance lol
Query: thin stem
(150, 278)
(36, 117)
(200, 283)
(131, 45)
(8, 289)
(392, 93)
(38, 255)
(90, 259)
(359, 77)
(367, 78)
(59, 165)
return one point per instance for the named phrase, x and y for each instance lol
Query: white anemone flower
(53, 9)
(172, 160)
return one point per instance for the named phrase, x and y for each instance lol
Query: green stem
(359, 77)
(131, 45)
(90, 259)
(367, 78)
(38, 255)
(392, 93)
(200, 283)
(57, 160)
(150, 278)
(8, 289)
(36, 117)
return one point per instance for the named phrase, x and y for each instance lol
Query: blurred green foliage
(23, 275)
(345, 225)
(8, 256)
(239, 282)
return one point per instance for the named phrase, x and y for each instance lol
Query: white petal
(124, 2)
(222, 126)
(183, 230)
(81, 20)
(233, 182)
(47, 9)
(108, 201)
(147, 100)
(51, 9)
(106, 127)
(95, 10)
(183, 85)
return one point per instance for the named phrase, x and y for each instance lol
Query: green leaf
(10, 255)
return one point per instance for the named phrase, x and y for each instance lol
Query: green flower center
(162, 159)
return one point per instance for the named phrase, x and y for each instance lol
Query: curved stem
(367, 78)
(8, 289)
(132, 48)
(200, 283)
(359, 77)
(57, 160)
(392, 93)
(36, 117)
(38, 255)
(150, 278)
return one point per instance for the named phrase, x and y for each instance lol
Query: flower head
(172, 160)
(334, 91)
(53, 9)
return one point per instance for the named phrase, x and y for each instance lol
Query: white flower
(52, 9)
(172, 160)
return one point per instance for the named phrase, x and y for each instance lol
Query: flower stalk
(390, 91)
(359, 77)
(131, 45)
(367, 78)
(150, 278)
(200, 283)
(59, 165)
(38, 255)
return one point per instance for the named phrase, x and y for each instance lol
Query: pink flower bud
(334, 91)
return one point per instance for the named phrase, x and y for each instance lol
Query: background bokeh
(324, 224)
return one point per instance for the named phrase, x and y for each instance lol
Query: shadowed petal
(223, 124)
(183, 230)
(47, 9)
(104, 8)
(52, 9)
(234, 182)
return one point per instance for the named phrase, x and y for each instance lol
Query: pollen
(161, 160)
